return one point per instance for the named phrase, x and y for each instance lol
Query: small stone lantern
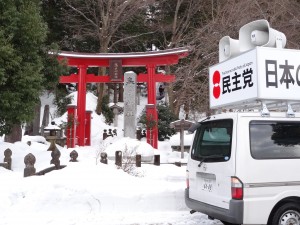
(181, 125)
(116, 111)
(53, 135)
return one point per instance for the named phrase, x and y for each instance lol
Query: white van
(244, 168)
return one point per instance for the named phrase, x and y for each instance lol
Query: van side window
(274, 139)
(212, 141)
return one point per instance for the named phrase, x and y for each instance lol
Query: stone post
(36, 120)
(138, 160)
(55, 158)
(139, 134)
(118, 158)
(73, 156)
(129, 104)
(46, 115)
(29, 161)
(7, 158)
(103, 157)
(157, 160)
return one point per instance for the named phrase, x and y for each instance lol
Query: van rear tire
(226, 223)
(286, 214)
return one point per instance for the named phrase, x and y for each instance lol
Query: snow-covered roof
(174, 51)
(52, 127)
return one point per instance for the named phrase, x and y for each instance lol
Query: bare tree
(191, 86)
(196, 23)
(102, 21)
(180, 18)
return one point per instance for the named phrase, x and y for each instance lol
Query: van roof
(272, 115)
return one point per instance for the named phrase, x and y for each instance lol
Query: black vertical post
(104, 134)
(118, 156)
(103, 156)
(138, 160)
(139, 134)
(157, 160)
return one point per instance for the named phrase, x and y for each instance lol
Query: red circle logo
(216, 82)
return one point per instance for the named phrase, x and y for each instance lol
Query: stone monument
(130, 104)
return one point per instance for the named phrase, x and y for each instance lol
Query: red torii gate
(150, 60)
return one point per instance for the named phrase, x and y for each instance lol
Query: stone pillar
(118, 158)
(129, 104)
(36, 120)
(55, 158)
(138, 160)
(139, 134)
(7, 158)
(45, 121)
(29, 161)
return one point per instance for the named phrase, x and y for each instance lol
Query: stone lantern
(116, 111)
(181, 125)
(52, 128)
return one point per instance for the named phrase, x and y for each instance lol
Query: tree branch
(131, 37)
(81, 13)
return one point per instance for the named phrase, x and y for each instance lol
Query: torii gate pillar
(82, 71)
(151, 112)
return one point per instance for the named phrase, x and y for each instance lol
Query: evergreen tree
(106, 111)
(22, 36)
(165, 117)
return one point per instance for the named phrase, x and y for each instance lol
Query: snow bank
(90, 193)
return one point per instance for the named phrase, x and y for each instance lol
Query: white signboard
(260, 74)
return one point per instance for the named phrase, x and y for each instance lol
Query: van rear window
(274, 139)
(212, 141)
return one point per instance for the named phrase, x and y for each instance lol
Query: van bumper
(232, 215)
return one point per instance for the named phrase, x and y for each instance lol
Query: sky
(88, 192)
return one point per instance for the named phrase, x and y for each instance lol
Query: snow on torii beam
(150, 60)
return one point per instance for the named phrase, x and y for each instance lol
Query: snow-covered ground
(89, 192)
